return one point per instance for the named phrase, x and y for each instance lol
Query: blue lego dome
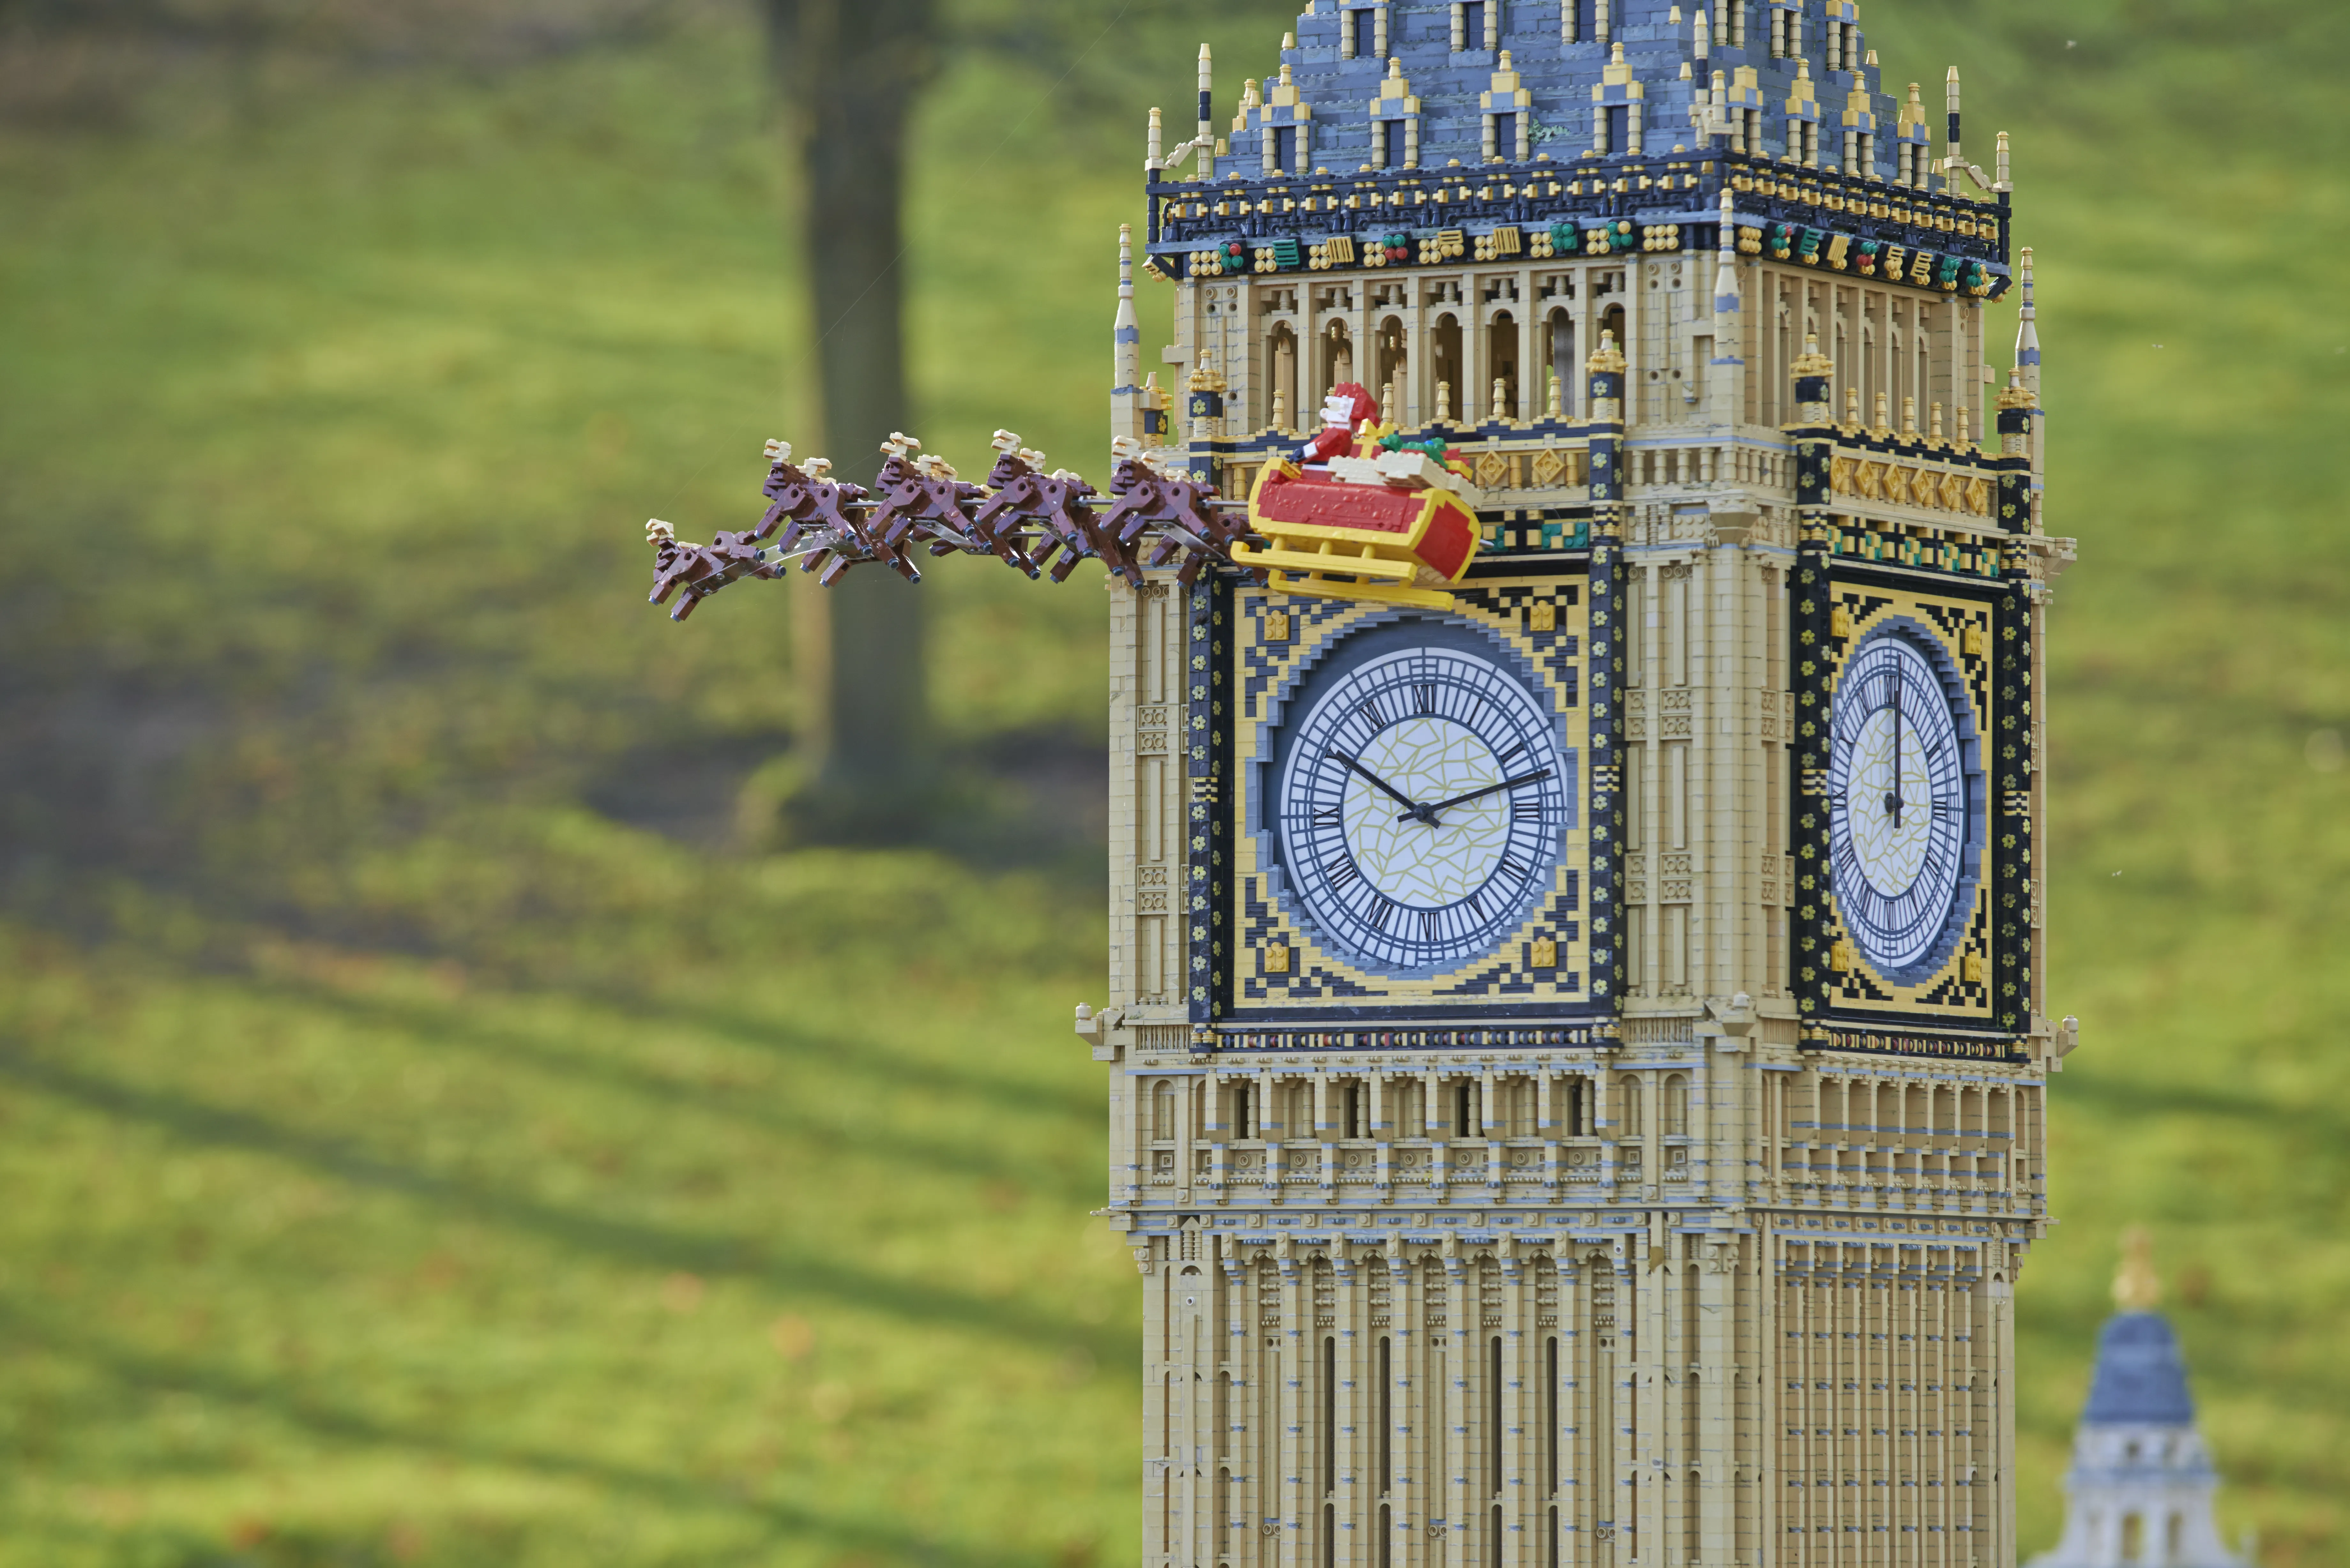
(2141, 1378)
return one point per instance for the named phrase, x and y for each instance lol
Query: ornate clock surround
(1277, 970)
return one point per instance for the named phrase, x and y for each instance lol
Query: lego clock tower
(1577, 1057)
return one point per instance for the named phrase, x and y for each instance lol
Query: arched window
(1446, 372)
(1162, 1111)
(1337, 363)
(2133, 1537)
(1923, 355)
(1502, 358)
(1871, 382)
(1395, 365)
(1562, 362)
(1627, 1106)
(1612, 320)
(1281, 410)
(1676, 1105)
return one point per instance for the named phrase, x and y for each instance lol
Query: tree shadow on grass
(462, 1028)
(670, 1248)
(146, 1371)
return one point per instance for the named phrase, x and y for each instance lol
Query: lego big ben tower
(1576, 1059)
(1575, 1041)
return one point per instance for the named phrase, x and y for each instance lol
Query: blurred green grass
(407, 1164)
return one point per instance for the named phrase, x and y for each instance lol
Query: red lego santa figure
(1346, 410)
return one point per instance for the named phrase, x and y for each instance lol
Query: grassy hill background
(438, 1126)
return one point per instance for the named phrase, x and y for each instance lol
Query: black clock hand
(1409, 808)
(1477, 794)
(1893, 793)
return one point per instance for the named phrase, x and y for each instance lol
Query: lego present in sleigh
(1361, 513)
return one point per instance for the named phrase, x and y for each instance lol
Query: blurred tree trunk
(849, 72)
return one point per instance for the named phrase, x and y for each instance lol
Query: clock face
(1421, 799)
(1902, 804)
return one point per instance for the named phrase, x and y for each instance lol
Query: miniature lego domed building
(2141, 1488)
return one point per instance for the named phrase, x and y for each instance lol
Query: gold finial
(2015, 394)
(1884, 425)
(1934, 428)
(1852, 406)
(1909, 418)
(1606, 357)
(2137, 1288)
(1811, 361)
(1443, 402)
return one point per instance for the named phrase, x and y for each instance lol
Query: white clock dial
(1901, 805)
(1420, 803)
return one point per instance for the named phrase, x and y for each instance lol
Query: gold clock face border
(1277, 967)
(1962, 990)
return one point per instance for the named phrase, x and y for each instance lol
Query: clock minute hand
(1411, 808)
(1893, 793)
(1481, 793)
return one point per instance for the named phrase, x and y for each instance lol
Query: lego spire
(2136, 1287)
(1207, 129)
(1126, 348)
(1725, 275)
(1954, 159)
(2027, 372)
(1726, 381)
(2027, 329)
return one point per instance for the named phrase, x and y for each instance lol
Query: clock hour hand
(1411, 808)
(1478, 794)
